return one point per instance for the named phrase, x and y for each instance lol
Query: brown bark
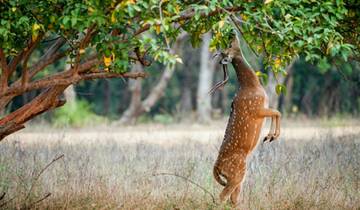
(47, 100)
(54, 85)
(4, 72)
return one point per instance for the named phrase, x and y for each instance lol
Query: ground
(314, 165)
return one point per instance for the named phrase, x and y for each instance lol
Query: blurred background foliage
(309, 47)
(326, 88)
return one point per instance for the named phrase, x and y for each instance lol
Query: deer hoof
(265, 139)
(272, 139)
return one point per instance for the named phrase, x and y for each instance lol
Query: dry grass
(115, 168)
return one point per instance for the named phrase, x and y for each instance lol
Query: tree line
(110, 39)
(181, 92)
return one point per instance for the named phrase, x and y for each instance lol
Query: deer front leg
(275, 116)
(277, 131)
(272, 131)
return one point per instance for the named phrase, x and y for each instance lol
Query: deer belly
(241, 137)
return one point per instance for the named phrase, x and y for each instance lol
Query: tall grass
(111, 173)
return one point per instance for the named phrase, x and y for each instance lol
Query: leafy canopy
(279, 30)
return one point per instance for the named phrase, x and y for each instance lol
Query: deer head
(227, 57)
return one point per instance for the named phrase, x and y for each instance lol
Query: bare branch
(3, 62)
(17, 89)
(50, 56)
(40, 200)
(15, 61)
(4, 71)
(82, 45)
(47, 100)
(30, 49)
(42, 63)
(101, 75)
(54, 48)
(66, 78)
(34, 181)
(188, 180)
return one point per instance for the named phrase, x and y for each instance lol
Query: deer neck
(246, 77)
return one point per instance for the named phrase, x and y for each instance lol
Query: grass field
(315, 165)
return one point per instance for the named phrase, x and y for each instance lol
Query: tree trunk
(107, 97)
(207, 66)
(135, 86)
(186, 101)
(69, 92)
(186, 76)
(186, 83)
(138, 107)
(51, 86)
(70, 96)
(273, 97)
(271, 86)
(45, 101)
(287, 99)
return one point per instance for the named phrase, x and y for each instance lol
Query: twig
(162, 23)
(188, 180)
(38, 201)
(40, 173)
(6, 202)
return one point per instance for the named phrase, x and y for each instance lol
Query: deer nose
(226, 60)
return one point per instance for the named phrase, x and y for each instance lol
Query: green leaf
(280, 89)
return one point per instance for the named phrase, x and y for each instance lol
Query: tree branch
(4, 72)
(3, 63)
(67, 78)
(101, 75)
(42, 63)
(15, 61)
(30, 49)
(47, 100)
(50, 56)
(190, 15)
(82, 45)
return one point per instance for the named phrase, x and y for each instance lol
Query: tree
(102, 39)
(207, 68)
(137, 106)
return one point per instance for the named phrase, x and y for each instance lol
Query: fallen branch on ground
(188, 180)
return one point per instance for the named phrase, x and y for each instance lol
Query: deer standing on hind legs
(248, 112)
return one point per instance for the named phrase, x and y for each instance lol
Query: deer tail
(217, 174)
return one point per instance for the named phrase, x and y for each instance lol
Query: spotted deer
(248, 111)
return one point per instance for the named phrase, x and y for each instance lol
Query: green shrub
(76, 114)
(163, 118)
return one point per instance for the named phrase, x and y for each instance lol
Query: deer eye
(225, 60)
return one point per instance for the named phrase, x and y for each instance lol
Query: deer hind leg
(235, 195)
(275, 116)
(229, 188)
(234, 186)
